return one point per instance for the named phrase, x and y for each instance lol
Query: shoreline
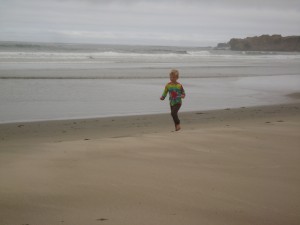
(294, 95)
(105, 127)
(86, 100)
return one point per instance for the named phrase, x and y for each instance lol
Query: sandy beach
(231, 166)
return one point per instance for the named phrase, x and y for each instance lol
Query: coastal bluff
(266, 43)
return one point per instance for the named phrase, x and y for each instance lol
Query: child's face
(173, 78)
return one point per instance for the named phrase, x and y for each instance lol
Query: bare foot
(177, 127)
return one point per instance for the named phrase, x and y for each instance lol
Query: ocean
(51, 81)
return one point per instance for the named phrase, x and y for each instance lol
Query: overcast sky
(150, 22)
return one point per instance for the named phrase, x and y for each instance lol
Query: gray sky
(153, 22)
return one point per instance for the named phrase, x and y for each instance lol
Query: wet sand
(231, 166)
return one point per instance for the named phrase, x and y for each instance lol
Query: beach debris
(87, 139)
(102, 219)
(21, 125)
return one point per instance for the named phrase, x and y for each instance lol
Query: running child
(176, 94)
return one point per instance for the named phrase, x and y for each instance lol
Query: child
(176, 93)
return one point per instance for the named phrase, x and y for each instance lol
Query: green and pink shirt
(175, 91)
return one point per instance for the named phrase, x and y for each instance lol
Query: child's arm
(164, 95)
(182, 92)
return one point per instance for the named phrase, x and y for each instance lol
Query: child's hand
(162, 98)
(182, 96)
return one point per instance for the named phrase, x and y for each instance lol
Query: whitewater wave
(199, 53)
(124, 55)
(100, 55)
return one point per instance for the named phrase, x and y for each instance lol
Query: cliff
(266, 43)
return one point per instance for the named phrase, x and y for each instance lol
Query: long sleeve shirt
(176, 92)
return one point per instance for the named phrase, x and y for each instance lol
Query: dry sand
(232, 166)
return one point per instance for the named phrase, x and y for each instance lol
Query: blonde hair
(175, 73)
